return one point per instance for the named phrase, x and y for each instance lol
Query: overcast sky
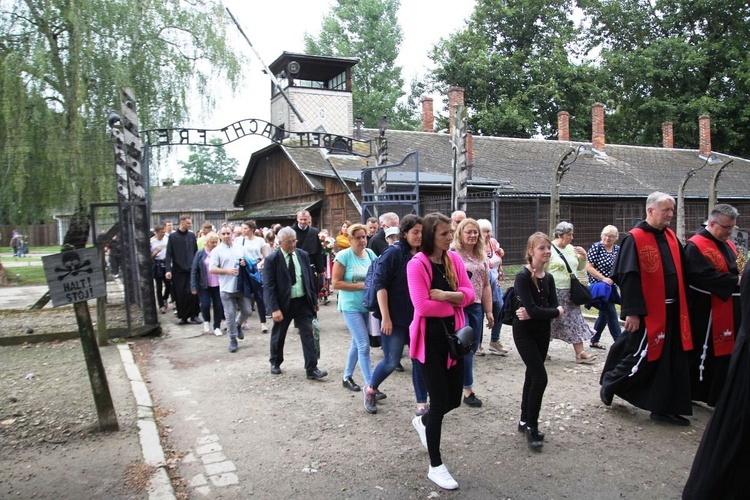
(275, 27)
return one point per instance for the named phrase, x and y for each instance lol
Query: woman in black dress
(535, 289)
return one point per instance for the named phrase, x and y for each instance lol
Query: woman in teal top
(348, 276)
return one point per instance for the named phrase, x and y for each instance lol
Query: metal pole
(681, 199)
(554, 197)
(713, 196)
(268, 70)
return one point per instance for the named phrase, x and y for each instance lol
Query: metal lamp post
(710, 160)
(561, 168)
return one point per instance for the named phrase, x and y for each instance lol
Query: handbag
(579, 293)
(461, 342)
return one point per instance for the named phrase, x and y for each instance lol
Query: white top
(162, 243)
(253, 247)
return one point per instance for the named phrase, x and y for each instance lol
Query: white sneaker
(218, 332)
(440, 476)
(419, 427)
(264, 328)
(206, 327)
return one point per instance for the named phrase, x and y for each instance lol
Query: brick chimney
(563, 126)
(428, 116)
(704, 135)
(667, 134)
(597, 127)
(455, 98)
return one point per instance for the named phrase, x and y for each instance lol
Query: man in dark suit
(291, 293)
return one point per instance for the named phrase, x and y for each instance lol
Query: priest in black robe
(722, 463)
(650, 369)
(714, 295)
(181, 249)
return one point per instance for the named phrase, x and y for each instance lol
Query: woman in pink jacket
(439, 288)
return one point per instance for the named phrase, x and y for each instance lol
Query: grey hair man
(378, 243)
(648, 365)
(291, 293)
(711, 269)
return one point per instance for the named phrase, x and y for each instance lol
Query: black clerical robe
(661, 386)
(704, 281)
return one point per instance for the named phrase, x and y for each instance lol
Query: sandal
(597, 345)
(584, 358)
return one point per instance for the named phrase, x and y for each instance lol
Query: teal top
(355, 270)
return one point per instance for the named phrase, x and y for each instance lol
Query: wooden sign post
(75, 277)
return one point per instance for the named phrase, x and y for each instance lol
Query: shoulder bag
(461, 342)
(579, 293)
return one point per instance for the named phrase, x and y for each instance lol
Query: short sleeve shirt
(602, 260)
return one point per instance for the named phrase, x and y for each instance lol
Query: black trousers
(532, 344)
(445, 387)
(187, 303)
(302, 314)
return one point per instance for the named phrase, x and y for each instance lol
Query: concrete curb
(160, 487)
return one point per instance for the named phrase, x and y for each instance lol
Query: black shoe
(316, 374)
(522, 428)
(532, 437)
(472, 400)
(670, 419)
(183, 322)
(349, 384)
(399, 367)
(275, 370)
(606, 398)
(240, 333)
(380, 396)
(371, 401)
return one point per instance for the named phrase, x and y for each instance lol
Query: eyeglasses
(287, 241)
(730, 226)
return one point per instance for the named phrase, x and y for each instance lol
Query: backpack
(370, 297)
(511, 302)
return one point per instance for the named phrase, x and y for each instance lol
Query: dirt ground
(289, 437)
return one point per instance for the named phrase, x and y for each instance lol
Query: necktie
(292, 270)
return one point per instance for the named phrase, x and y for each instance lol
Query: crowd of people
(682, 341)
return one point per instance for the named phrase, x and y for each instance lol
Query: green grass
(25, 275)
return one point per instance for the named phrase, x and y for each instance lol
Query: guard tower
(319, 87)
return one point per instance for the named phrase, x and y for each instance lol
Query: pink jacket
(419, 276)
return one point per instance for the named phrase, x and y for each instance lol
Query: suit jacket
(309, 241)
(277, 286)
(378, 243)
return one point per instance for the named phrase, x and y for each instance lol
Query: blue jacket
(601, 294)
(391, 275)
(198, 271)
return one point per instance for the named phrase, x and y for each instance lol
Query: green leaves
(209, 165)
(62, 65)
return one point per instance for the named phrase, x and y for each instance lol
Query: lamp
(561, 168)
(383, 125)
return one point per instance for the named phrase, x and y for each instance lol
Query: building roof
(525, 167)
(192, 197)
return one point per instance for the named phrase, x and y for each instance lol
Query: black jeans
(532, 345)
(445, 387)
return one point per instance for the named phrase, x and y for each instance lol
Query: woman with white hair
(495, 259)
(601, 263)
(570, 327)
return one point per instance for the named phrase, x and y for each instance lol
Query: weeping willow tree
(62, 63)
